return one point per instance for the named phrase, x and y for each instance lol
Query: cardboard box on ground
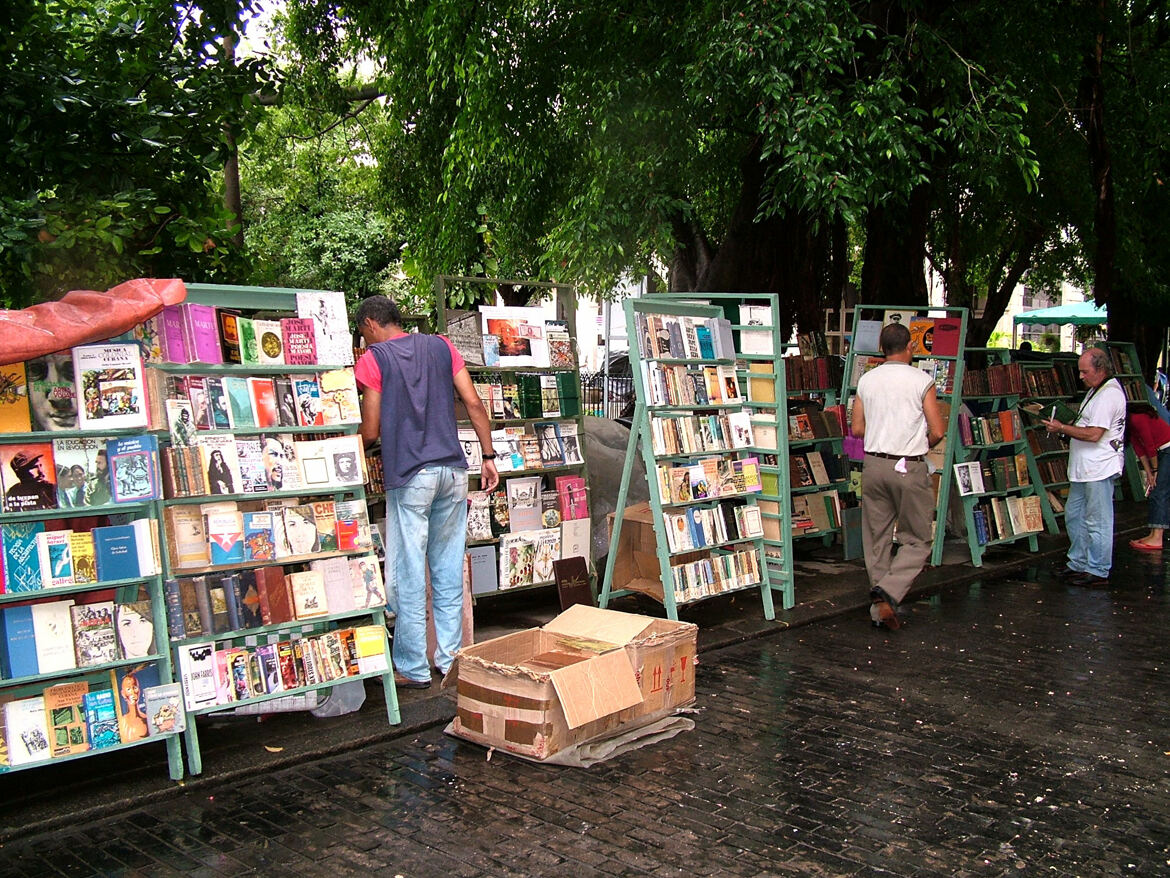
(585, 675)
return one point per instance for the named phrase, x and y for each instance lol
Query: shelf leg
(620, 508)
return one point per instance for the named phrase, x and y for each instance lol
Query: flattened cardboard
(596, 688)
(594, 623)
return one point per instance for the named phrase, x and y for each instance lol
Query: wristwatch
(491, 456)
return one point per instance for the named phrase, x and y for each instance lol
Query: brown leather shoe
(883, 613)
(406, 683)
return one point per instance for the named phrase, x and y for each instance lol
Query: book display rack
(940, 335)
(273, 586)
(1127, 369)
(524, 366)
(219, 438)
(695, 431)
(83, 650)
(995, 472)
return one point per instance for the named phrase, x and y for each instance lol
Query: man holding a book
(1096, 455)
(898, 415)
(409, 384)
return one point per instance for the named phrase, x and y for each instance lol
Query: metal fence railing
(607, 397)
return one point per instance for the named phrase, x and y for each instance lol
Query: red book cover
(300, 344)
(572, 495)
(263, 401)
(28, 477)
(946, 336)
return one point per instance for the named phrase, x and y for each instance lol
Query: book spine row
(715, 575)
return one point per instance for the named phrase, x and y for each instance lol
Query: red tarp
(83, 316)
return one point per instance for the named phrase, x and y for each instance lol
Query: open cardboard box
(582, 676)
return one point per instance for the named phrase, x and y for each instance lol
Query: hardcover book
(15, 416)
(94, 641)
(19, 644)
(249, 344)
(946, 336)
(308, 593)
(197, 672)
(239, 398)
(110, 386)
(259, 544)
(84, 563)
(330, 324)
(186, 537)
(300, 344)
(517, 553)
(263, 401)
(164, 709)
(28, 477)
(366, 579)
(22, 564)
(339, 397)
(26, 731)
(353, 525)
(134, 624)
(308, 396)
(229, 335)
(101, 720)
(116, 552)
(65, 718)
(53, 631)
(326, 518)
(219, 459)
(56, 558)
(247, 599)
(83, 473)
(52, 392)
(269, 342)
(134, 473)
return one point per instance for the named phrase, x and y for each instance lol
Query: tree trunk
(232, 200)
(895, 253)
(1100, 165)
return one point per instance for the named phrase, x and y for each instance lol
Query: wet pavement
(1013, 726)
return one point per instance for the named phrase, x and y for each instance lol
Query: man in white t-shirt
(897, 412)
(1096, 455)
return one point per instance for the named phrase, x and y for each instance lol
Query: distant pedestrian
(897, 413)
(1150, 437)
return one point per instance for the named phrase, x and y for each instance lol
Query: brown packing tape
(487, 695)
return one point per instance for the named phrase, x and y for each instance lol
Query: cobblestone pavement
(1010, 728)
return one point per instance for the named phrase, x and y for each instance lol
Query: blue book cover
(101, 719)
(22, 561)
(20, 644)
(134, 468)
(116, 552)
(239, 400)
(231, 596)
(259, 541)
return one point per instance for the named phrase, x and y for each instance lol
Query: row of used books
(1003, 426)
(77, 473)
(209, 604)
(1001, 379)
(815, 468)
(824, 423)
(186, 404)
(1053, 469)
(531, 395)
(107, 387)
(229, 674)
(548, 444)
(692, 434)
(995, 474)
(816, 513)
(36, 558)
(684, 337)
(231, 532)
(819, 373)
(194, 333)
(223, 463)
(679, 385)
(715, 574)
(703, 527)
(930, 335)
(1060, 378)
(709, 478)
(1001, 518)
(121, 707)
(510, 336)
(526, 503)
(61, 635)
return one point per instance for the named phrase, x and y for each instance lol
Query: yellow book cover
(65, 718)
(761, 389)
(14, 411)
(339, 397)
(84, 564)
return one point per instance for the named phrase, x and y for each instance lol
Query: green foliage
(113, 118)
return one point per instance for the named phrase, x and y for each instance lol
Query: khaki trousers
(891, 498)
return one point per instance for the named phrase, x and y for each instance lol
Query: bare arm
(936, 427)
(371, 427)
(1085, 434)
(857, 422)
(489, 476)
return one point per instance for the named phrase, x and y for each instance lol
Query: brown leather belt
(895, 456)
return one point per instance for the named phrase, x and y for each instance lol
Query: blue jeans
(1088, 516)
(1158, 514)
(426, 526)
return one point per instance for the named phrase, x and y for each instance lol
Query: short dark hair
(894, 339)
(382, 310)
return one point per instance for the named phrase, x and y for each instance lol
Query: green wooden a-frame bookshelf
(767, 573)
(954, 381)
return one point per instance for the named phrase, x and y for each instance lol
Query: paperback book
(110, 386)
